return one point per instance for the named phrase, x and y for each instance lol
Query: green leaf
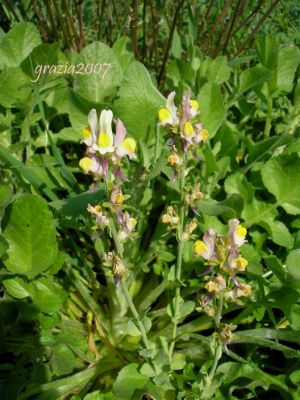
(138, 102)
(252, 77)
(18, 43)
(99, 396)
(178, 361)
(77, 205)
(293, 263)
(45, 294)
(16, 288)
(286, 186)
(212, 109)
(20, 169)
(97, 86)
(6, 193)
(257, 211)
(176, 48)
(121, 48)
(267, 50)
(288, 61)
(212, 207)
(218, 70)
(131, 385)
(237, 183)
(279, 233)
(62, 359)
(42, 56)
(295, 377)
(295, 317)
(132, 329)
(31, 236)
(185, 309)
(15, 87)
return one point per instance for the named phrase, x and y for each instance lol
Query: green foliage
(30, 234)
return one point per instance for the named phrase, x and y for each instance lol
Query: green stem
(218, 315)
(120, 250)
(269, 116)
(179, 254)
(218, 352)
(134, 313)
(219, 347)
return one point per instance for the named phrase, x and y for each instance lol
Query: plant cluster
(149, 242)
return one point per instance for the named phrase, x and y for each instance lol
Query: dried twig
(217, 21)
(257, 27)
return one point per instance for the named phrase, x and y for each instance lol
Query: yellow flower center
(104, 140)
(132, 223)
(86, 132)
(129, 144)
(85, 163)
(163, 114)
(241, 231)
(188, 129)
(204, 134)
(98, 208)
(194, 104)
(118, 199)
(199, 247)
(241, 263)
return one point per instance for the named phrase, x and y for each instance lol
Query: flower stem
(135, 313)
(218, 347)
(120, 250)
(179, 254)
(269, 116)
(218, 315)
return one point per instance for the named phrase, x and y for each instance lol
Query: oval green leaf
(293, 263)
(97, 73)
(31, 237)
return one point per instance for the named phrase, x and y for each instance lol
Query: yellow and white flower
(217, 284)
(90, 133)
(105, 139)
(194, 108)
(168, 115)
(236, 233)
(101, 219)
(206, 248)
(237, 263)
(91, 164)
(124, 146)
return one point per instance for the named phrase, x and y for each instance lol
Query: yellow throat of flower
(241, 231)
(163, 114)
(194, 104)
(104, 140)
(85, 163)
(130, 145)
(188, 129)
(241, 263)
(86, 132)
(199, 247)
(203, 134)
